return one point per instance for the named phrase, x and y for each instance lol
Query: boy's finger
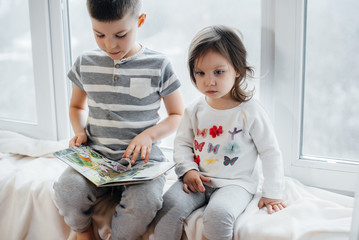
(148, 154)
(135, 153)
(143, 152)
(78, 142)
(128, 151)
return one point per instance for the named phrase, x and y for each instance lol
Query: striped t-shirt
(123, 97)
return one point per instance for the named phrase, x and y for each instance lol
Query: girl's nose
(210, 81)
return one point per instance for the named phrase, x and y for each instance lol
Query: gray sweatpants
(225, 204)
(137, 204)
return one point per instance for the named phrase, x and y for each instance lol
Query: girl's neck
(222, 104)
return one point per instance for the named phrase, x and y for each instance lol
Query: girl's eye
(122, 36)
(199, 73)
(100, 36)
(218, 72)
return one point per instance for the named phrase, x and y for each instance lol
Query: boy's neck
(136, 49)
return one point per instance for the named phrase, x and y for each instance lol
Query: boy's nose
(110, 43)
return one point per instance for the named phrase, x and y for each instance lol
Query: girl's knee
(218, 223)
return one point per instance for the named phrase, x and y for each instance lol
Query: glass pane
(17, 101)
(171, 25)
(331, 92)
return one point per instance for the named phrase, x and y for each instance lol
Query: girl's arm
(142, 143)
(78, 116)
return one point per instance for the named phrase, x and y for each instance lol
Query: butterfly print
(230, 161)
(202, 133)
(235, 131)
(208, 161)
(198, 146)
(212, 148)
(232, 148)
(214, 131)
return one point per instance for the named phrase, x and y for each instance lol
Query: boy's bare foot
(85, 235)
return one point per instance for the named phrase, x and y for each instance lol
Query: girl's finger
(269, 209)
(185, 188)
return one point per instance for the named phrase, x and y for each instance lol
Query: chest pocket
(140, 87)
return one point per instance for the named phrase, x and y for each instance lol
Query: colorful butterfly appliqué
(198, 146)
(235, 131)
(232, 148)
(214, 131)
(202, 133)
(197, 159)
(212, 148)
(208, 161)
(230, 161)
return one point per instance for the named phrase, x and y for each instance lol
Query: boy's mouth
(114, 53)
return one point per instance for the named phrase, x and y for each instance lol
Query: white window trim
(281, 92)
(49, 74)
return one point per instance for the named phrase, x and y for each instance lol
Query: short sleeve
(75, 75)
(169, 82)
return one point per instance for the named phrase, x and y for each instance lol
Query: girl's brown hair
(225, 41)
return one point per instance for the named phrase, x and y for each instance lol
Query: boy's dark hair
(112, 10)
(227, 42)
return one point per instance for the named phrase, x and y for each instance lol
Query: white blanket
(27, 172)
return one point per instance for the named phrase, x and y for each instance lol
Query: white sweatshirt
(224, 145)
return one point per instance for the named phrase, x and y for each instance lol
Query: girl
(218, 143)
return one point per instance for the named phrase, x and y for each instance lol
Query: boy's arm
(78, 116)
(142, 143)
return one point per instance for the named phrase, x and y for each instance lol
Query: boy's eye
(199, 73)
(219, 72)
(122, 36)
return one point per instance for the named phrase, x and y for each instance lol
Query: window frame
(283, 29)
(51, 91)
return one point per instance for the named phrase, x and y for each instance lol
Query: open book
(105, 172)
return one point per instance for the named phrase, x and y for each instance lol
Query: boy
(123, 84)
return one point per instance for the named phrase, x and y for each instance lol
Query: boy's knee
(71, 188)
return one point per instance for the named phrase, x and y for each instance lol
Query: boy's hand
(79, 139)
(142, 143)
(271, 204)
(192, 181)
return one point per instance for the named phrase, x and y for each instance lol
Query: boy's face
(117, 38)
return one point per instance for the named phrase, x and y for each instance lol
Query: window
(314, 90)
(16, 65)
(331, 91)
(29, 103)
(169, 28)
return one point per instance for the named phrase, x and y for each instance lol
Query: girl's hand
(192, 181)
(271, 204)
(142, 143)
(79, 139)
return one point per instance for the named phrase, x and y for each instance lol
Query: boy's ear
(141, 19)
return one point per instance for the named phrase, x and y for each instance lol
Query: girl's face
(215, 78)
(117, 38)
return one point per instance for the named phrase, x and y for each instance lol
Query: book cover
(105, 172)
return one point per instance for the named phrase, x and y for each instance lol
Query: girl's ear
(141, 19)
